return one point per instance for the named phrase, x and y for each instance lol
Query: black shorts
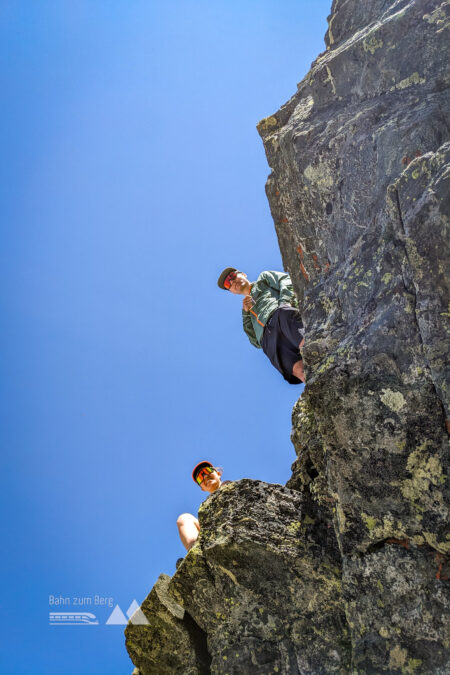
(281, 338)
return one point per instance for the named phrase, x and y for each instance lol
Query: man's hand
(247, 303)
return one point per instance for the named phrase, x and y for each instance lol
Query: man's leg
(297, 369)
(281, 351)
(188, 529)
(292, 328)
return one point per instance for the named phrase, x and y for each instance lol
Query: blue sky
(131, 174)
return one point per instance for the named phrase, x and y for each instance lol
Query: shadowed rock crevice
(199, 643)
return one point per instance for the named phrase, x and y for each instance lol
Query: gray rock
(359, 195)
(263, 567)
(170, 642)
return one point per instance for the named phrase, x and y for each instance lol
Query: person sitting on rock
(209, 479)
(270, 318)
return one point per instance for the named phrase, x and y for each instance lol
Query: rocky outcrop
(346, 568)
(263, 583)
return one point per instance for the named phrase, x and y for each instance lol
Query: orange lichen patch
(406, 160)
(447, 423)
(327, 266)
(315, 261)
(304, 272)
(277, 193)
(284, 220)
(441, 561)
(302, 267)
(400, 542)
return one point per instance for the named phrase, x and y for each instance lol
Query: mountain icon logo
(134, 613)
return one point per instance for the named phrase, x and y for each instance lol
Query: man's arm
(280, 281)
(248, 327)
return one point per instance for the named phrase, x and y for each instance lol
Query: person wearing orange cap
(209, 479)
(270, 318)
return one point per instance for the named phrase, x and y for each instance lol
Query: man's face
(240, 284)
(211, 482)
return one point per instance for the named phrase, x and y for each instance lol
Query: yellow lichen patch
(372, 44)
(275, 143)
(418, 539)
(308, 520)
(319, 175)
(325, 365)
(426, 470)
(416, 260)
(393, 399)
(437, 17)
(294, 527)
(228, 573)
(384, 632)
(341, 518)
(408, 82)
(384, 530)
(441, 546)
(370, 521)
(397, 657)
(228, 486)
(330, 79)
(267, 124)
(386, 278)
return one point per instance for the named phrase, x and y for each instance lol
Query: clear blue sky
(131, 174)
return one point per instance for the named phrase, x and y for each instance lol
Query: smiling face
(211, 482)
(240, 284)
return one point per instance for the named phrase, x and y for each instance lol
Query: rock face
(263, 583)
(346, 568)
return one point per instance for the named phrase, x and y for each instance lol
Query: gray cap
(224, 275)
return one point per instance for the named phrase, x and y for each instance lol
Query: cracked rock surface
(359, 192)
(346, 569)
(263, 582)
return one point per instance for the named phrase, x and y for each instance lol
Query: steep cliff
(346, 568)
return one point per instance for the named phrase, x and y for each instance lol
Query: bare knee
(188, 529)
(187, 520)
(298, 370)
(184, 519)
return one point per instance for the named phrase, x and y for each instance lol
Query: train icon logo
(72, 619)
(134, 614)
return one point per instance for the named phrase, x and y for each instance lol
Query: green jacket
(269, 291)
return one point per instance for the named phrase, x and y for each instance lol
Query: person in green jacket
(270, 318)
